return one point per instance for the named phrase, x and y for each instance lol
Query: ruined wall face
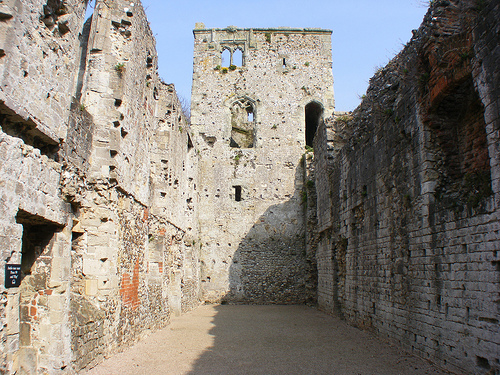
(174, 201)
(248, 117)
(38, 55)
(408, 200)
(37, 310)
(134, 262)
(82, 139)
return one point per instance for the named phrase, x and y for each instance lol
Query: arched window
(238, 57)
(226, 58)
(314, 114)
(242, 124)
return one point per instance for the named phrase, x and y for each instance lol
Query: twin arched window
(231, 57)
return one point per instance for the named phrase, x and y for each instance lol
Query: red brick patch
(129, 288)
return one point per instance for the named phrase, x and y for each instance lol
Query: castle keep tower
(257, 98)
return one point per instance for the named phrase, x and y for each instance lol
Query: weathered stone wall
(409, 195)
(36, 311)
(83, 139)
(249, 124)
(133, 263)
(38, 53)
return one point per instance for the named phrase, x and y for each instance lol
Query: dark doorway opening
(37, 234)
(314, 114)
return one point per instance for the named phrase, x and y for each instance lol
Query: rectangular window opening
(250, 116)
(37, 234)
(237, 193)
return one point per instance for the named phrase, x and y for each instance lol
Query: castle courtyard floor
(249, 339)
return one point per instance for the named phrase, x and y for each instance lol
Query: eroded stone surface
(121, 213)
(87, 204)
(249, 124)
(408, 209)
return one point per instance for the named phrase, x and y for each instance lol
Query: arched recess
(313, 114)
(243, 120)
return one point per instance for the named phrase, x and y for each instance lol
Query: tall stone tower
(257, 98)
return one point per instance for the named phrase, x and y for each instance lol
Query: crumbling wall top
(200, 27)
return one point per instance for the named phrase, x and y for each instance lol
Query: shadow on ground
(297, 340)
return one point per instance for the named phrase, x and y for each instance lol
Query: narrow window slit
(237, 193)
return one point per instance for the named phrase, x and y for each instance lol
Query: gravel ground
(249, 339)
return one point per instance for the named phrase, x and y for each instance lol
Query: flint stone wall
(249, 126)
(82, 139)
(409, 195)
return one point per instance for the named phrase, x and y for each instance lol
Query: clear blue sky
(366, 33)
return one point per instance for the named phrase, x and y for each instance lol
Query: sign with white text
(12, 275)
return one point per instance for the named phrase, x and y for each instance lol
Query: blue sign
(12, 275)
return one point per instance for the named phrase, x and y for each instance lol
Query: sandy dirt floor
(249, 339)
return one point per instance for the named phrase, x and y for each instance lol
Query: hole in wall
(483, 362)
(30, 134)
(37, 234)
(250, 114)
(313, 114)
(237, 193)
(242, 124)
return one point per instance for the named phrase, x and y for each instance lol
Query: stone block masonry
(408, 195)
(121, 213)
(105, 240)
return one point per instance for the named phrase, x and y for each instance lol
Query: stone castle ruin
(116, 212)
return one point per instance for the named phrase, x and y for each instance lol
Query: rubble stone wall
(38, 55)
(409, 195)
(249, 120)
(133, 264)
(107, 247)
(39, 52)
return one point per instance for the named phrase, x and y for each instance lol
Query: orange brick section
(129, 288)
